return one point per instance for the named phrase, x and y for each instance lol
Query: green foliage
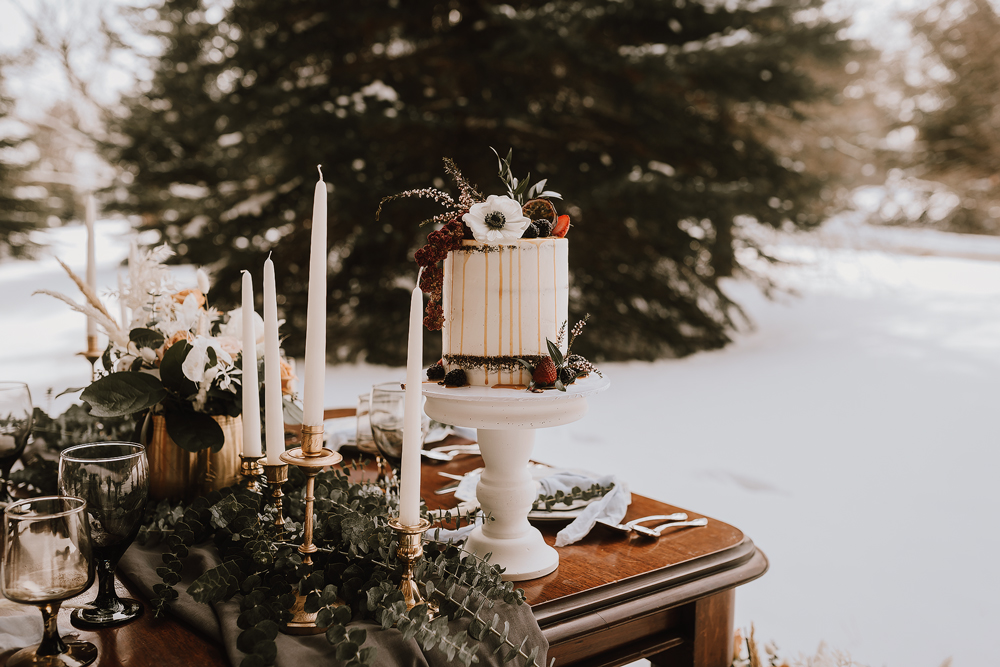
(76, 426)
(576, 493)
(123, 394)
(654, 119)
(352, 576)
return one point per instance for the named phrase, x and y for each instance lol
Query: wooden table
(615, 599)
(612, 601)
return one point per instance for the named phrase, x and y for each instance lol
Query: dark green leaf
(146, 338)
(194, 431)
(125, 393)
(172, 373)
(554, 352)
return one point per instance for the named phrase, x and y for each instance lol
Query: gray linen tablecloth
(218, 621)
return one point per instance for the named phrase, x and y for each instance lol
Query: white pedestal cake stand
(506, 420)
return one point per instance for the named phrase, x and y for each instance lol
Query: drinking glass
(113, 477)
(15, 427)
(388, 399)
(47, 559)
(363, 435)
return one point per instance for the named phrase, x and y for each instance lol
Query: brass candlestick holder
(411, 548)
(311, 458)
(92, 354)
(250, 471)
(277, 475)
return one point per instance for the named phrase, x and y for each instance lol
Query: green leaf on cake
(554, 353)
(121, 394)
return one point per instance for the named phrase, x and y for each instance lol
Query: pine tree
(959, 130)
(658, 122)
(20, 213)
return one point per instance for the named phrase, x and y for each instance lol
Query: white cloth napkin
(17, 632)
(611, 507)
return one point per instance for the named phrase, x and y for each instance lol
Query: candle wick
(319, 168)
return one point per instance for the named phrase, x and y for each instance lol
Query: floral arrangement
(177, 356)
(524, 212)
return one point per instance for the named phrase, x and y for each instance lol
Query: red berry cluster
(439, 243)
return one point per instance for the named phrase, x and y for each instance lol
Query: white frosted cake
(501, 302)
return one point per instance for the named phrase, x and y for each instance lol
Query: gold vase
(177, 474)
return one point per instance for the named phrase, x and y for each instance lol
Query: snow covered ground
(851, 434)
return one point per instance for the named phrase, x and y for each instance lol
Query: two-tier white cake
(501, 302)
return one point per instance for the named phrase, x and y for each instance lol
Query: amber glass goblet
(47, 559)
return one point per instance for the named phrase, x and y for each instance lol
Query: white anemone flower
(499, 218)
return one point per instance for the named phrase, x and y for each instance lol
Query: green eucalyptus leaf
(267, 650)
(121, 394)
(346, 650)
(252, 660)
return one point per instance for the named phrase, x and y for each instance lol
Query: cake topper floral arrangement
(177, 356)
(524, 212)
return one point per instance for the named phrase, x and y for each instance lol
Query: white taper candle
(409, 482)
(315, 373)
(274, 424)
(90, 216)
(251, 386)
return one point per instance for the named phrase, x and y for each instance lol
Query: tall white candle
(409, 482)
(90, 216)
(274, 425)
(121, 302)
(315, 374)
(251, 389)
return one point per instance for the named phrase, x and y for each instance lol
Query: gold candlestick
(277, 475)
(250, 471)
(311, 458)
(411, 548)
(92, 354)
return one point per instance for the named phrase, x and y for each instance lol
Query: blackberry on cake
(436, 372)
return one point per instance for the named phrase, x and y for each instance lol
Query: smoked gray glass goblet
(113, 477)
(15, 428)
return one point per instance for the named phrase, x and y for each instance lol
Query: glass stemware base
(52, 651)
(77, 654)
(121, 611)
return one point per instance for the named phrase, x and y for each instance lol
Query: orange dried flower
(180, 296)
(287, 377)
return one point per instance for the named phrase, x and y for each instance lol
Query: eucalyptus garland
(352, 576)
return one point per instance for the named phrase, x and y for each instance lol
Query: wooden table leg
(711, 635)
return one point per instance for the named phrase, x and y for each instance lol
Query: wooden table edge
(593, 617)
